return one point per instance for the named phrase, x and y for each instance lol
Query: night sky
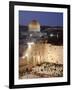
(44, 18)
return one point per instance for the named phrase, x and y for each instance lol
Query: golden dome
(34, 26)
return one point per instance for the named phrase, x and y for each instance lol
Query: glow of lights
(51, 35)
(23, 57)
(29, 44)
(57, 35)
(40, 35)
(30, 35)
(26, 54)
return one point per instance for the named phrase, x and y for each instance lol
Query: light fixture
(51, 35)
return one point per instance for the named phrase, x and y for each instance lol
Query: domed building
(34, 26)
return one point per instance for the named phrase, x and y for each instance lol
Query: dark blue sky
(44, 18)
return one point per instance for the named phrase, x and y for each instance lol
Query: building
(34, 26)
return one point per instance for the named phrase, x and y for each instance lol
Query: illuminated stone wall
(39, 53)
